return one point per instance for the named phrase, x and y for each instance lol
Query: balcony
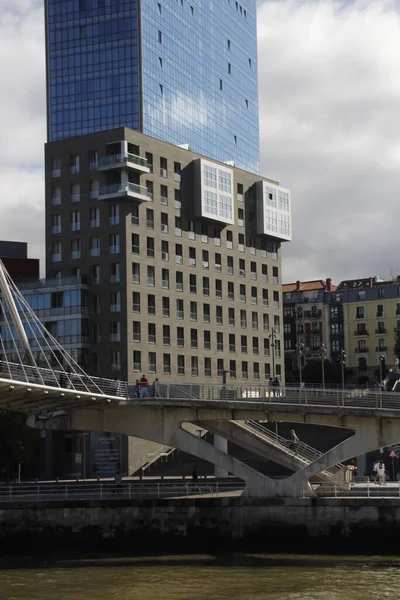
(120, 190)
(381, 331)
(116, 161)
(381, 348)
(362, 350)
(361, 332)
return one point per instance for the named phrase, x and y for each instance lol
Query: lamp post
(381, 359)
(342, 362)
(273, 337)
(300, 348)
(323, 357)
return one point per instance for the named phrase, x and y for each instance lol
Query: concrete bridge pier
(221, 444)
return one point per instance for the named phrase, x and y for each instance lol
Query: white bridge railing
(355, 398)
(79, 382)
(59, 492)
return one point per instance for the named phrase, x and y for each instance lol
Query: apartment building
(182, 255)
(360, 317)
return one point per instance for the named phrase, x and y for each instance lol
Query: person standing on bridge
(144, 386)
(294, 441)
(381, 473)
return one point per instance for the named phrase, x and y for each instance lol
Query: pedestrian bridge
(39, 378)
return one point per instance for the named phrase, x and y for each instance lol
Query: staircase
(163, 452)
(303, 453)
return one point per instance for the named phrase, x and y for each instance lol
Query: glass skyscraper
(182, 71)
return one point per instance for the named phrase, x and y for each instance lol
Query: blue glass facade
(182, 71)
(92, 66)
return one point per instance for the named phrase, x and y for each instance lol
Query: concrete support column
(362, 464)
(124, 147)
(221, 444)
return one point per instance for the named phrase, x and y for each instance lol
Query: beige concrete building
(181, 253)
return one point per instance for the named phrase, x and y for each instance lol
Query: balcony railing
(361, 332)
(361, 350)
(381, 331)
(381, 348)
(128, 189)
(124, 160)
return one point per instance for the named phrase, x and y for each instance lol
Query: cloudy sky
(329, 74)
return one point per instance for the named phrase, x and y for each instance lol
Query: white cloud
(22, 123)
(329, 104)
(330, 97)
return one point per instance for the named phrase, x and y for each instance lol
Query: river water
(203, 577)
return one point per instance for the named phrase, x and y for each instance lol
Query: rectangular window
(151, 275)
(136, 331)
(152, 362)
(179, 281)
(149, 218)
(193, 311)
(194, 366)
(151, 304)
(135, 243)
(150, 247)
(180, 337)
(207, 366)
(165, 279)
(167, 364)
(166, 335)
(135, 273)
(164, 250)
(163, 195)
(206, 313)
(179, 309)
(165, 306)
(193, 338)
(207, 340)
(231, 317)
(151, 333)
(136, 302)
(181, 364)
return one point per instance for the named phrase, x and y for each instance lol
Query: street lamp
(342, 362)
(272, 336)
(300, 348)
(323, 357)
(381, 360)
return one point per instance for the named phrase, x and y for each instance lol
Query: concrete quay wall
(268, 525)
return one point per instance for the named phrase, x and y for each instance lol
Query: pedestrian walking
(144, 386)
(276, 386)
(137, 388)
(117, 386)
(294, 441)
(375, 471)
(194, 474)
(156, 388)
(381, 473)
(271, 386)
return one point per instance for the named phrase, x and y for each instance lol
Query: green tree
(16, 442)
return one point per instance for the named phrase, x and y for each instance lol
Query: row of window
(193, 311)
(194, 342)
(242, 294)
(191, 365)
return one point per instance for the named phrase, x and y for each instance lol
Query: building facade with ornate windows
(359, 316)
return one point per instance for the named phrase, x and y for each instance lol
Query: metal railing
(369, 490)
(127, 490)
(299, 450)
(79, 382)
(265, 395)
